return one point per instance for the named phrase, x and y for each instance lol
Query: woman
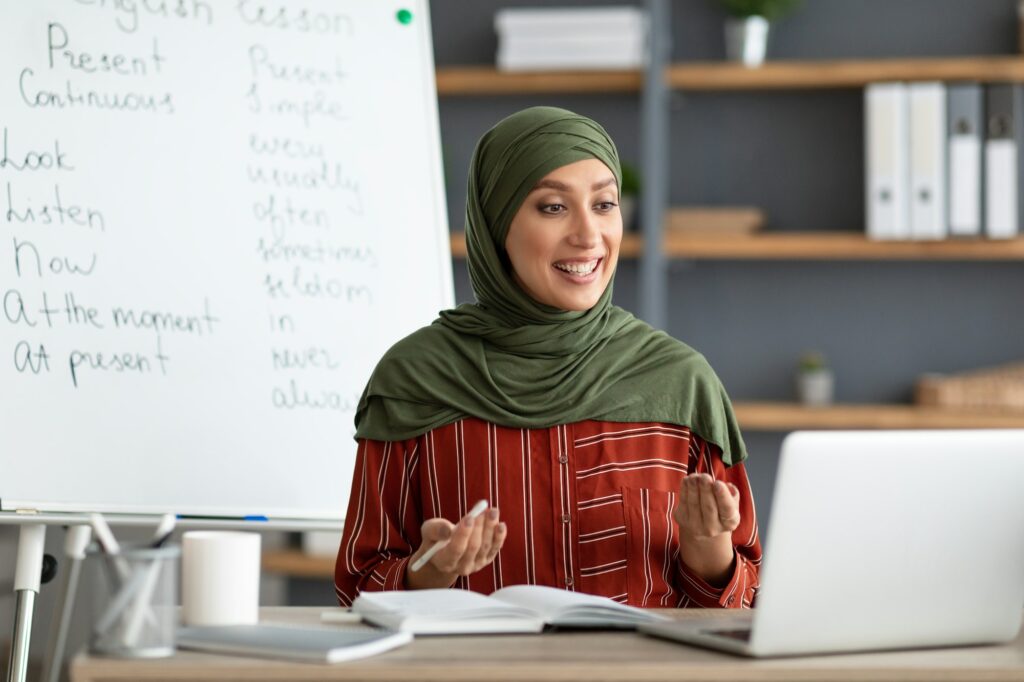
(607, 450)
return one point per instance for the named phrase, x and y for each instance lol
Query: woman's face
(564, 240)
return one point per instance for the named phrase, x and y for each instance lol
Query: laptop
(883, 540)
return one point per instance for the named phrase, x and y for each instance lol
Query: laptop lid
(893, 539)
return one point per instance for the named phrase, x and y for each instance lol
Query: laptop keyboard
(742, 635)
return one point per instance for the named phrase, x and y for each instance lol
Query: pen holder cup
(135, 599)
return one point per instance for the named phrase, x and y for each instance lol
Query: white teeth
(577, 268)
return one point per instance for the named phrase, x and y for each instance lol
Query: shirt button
(562, 459)
(730, 601)
(566, 518)
(568, 582)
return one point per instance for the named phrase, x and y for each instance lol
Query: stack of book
(944, 160)
(551, 38)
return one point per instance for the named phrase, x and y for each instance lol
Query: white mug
(220, 577)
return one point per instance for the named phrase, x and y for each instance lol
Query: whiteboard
(216, 216)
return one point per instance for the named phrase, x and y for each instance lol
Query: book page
(440, 603)
(554, 603)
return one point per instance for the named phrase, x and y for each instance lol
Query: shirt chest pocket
(652, 545)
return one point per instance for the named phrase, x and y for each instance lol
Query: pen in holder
(135, 614)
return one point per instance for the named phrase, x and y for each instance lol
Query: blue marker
(247, 517)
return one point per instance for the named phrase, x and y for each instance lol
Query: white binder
(927, 160)
(965, 118)
(1004, 106)
(886, 123)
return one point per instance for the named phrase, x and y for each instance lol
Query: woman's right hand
(472, 544)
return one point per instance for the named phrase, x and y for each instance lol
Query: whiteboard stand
(75, 541)
(28, 572)
(27, 578)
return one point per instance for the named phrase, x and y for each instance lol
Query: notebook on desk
(884, 540)
(313, 645)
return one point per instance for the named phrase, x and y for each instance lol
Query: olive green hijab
(512, 361)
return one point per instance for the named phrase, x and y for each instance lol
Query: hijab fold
(513, 361)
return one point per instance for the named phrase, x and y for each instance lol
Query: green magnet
(404, 16)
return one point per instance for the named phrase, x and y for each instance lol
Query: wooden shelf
(723, 76)
(772, 416)
(841, 73)
(810, 246)
(486, 80)
(296, 563)
(836, 246)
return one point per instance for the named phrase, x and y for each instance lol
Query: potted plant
(629, 196)
(814, 380)
(746, 29)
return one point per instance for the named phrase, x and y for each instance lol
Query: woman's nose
(585, 231)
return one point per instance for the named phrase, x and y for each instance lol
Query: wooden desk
(564, 656)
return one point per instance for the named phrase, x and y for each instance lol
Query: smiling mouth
(579, 269)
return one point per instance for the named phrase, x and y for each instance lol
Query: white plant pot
(815, 387)
(746, 40)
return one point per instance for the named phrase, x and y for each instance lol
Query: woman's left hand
(708, 512)
(707, 508)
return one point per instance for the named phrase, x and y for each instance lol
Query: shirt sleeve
(382, 524)
(742, 587)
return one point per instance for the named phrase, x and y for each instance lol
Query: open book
(520, 608)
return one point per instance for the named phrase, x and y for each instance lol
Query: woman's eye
(605, 206)
(552, 209)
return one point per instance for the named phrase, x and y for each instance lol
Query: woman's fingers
(706, 504)
(486, 536)
(436, 530)
(468, 559)
(447, 559)
(500, 533)
(707, 507)
(470, 545)
(694, 518)
(728, 500)
(680, 512)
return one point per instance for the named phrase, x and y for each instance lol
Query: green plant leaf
(769, 9)
(630, 180)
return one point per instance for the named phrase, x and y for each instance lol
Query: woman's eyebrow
(552, 184)
(562, 187)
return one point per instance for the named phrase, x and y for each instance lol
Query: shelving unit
(847, 73)
(809, 246)
(837, 246)
(719, 76)
(486, 80)
(724, 76)
(298, 564)
(781, 416)
(652, 84)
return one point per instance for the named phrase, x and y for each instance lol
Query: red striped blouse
(588, 507)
